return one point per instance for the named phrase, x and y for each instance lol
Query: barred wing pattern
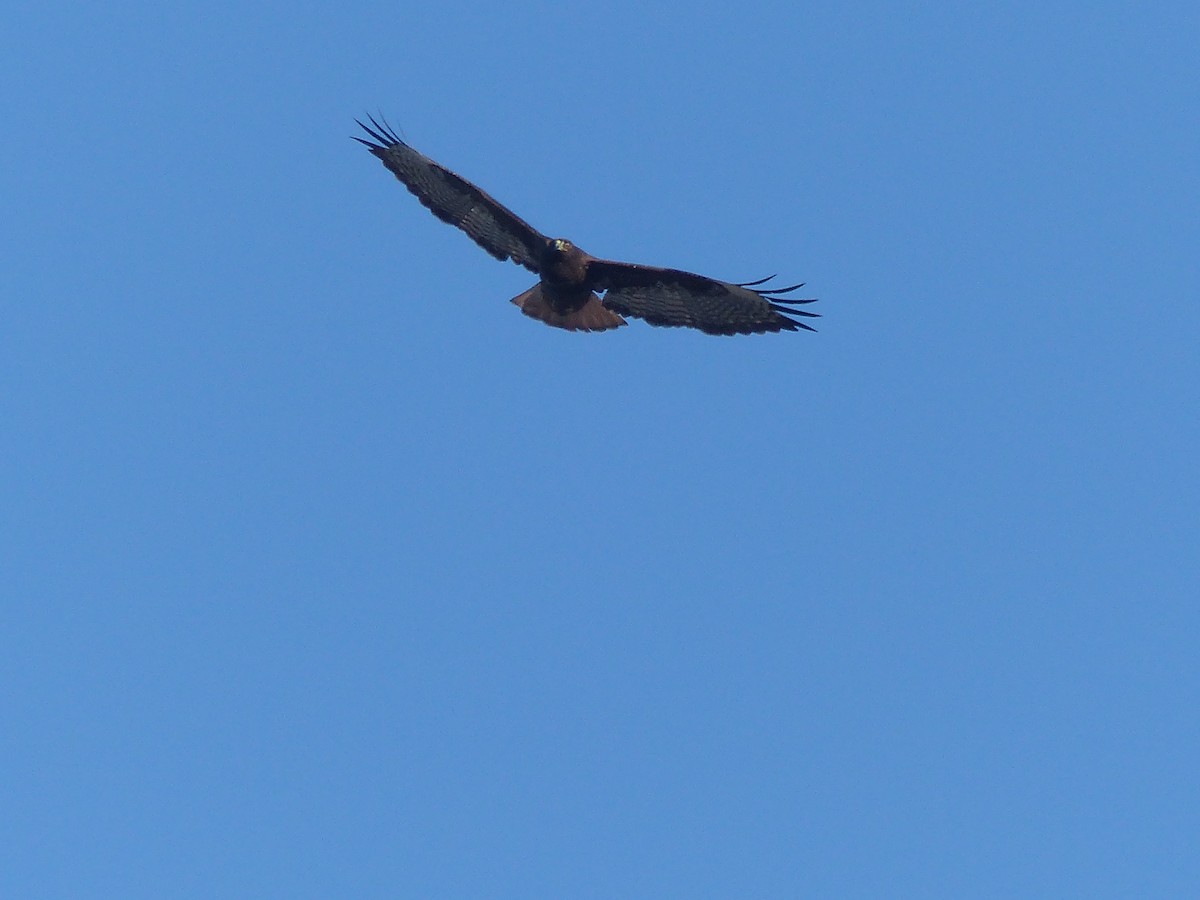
(671, 297)
(455, 200)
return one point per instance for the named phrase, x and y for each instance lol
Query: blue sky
(327, 573)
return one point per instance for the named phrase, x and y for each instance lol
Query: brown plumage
(566, 296)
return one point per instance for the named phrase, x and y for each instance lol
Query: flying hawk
(566, 294)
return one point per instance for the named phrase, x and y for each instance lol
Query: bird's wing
(453, 199)
(672, 297)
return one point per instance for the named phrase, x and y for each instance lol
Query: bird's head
(561, 245)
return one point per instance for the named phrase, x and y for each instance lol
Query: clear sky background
(326, 573)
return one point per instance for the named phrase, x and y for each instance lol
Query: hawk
(566, 295)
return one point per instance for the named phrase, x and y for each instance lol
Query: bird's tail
(592, 316)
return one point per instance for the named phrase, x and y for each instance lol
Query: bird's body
(567, 293)
(563, 297)
(563, 264)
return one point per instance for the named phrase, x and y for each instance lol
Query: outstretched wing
(672, 297)
(453, 199)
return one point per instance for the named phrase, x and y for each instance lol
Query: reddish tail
(592, 316)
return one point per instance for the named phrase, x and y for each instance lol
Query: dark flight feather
(455, 200)
(564, 296)
(674, 298)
